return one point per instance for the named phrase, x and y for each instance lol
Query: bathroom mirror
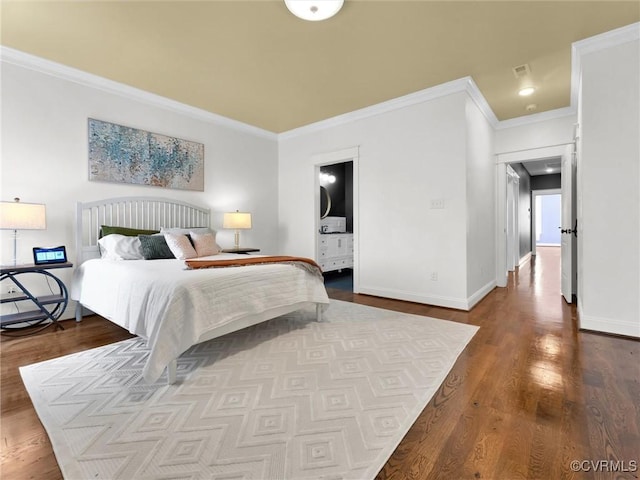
(325, 202)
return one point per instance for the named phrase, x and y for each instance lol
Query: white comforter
(173, 307)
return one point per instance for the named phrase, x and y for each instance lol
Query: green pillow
(154, 247)
(129, 232)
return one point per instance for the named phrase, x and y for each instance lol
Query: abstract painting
(128, 155)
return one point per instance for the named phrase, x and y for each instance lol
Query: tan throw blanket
(306, 263)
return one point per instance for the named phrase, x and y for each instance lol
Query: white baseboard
(481, 293)
(465, 304)
(608, 325)
(524, 259)
(449, 302)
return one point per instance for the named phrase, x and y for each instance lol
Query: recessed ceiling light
(314, 10)
(525, 92)
(549, 169)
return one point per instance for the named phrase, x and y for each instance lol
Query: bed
(169, 305)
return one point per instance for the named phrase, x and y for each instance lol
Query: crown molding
(481, 102)
(47, 67)
(597, 43)
(537, 117)
(465, 84)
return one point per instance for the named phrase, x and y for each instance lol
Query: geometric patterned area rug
(290, 398)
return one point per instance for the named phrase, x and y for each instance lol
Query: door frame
(330, 158)
(512, 219)
(502, 160)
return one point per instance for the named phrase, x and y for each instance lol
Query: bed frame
(149, 213)
(153, 213)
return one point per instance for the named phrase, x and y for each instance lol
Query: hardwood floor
(529, 395)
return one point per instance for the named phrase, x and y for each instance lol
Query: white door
(510, 226)
(513, 235)
(568, 217)
(516, 224)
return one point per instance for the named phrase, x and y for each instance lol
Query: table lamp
(21, 216)
(238, 221)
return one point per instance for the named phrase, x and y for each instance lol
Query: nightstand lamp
(21, 216)
(238, 221)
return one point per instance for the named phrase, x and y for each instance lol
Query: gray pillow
(154, 247)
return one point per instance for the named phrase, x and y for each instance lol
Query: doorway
(336, 225)
(546, 218)
(336, 218)
(560, 161)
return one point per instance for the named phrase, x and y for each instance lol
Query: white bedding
(173, 308)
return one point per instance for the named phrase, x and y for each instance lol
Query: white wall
(407, 158)
(481, 228)
(609, 186)
(410, 154)
(534, 134)
(44, 159)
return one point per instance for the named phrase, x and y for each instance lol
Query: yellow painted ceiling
(255, 62)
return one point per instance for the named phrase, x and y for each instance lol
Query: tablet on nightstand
(44, 256)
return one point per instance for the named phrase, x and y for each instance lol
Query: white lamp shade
(22, 216)
(237, 220)
(314, 10)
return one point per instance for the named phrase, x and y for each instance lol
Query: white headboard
(149, 213)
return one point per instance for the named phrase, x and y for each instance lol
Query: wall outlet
(437, 203)
(434, 276)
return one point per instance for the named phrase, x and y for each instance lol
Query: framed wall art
(128, 155)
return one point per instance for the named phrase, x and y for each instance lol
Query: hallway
(537, 284)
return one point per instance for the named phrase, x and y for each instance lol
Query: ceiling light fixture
(314, 10)
(327, 178)
(525, 92)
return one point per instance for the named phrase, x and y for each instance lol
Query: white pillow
(204, 243)
(120, 247)
(180, 246)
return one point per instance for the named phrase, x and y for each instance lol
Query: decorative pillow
(129, 232)
(154, 247)
(204, 243)
(120, 247)
(180, 246)
(189, 231)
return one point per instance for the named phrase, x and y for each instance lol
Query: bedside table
(240, 250)
(48, 307)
